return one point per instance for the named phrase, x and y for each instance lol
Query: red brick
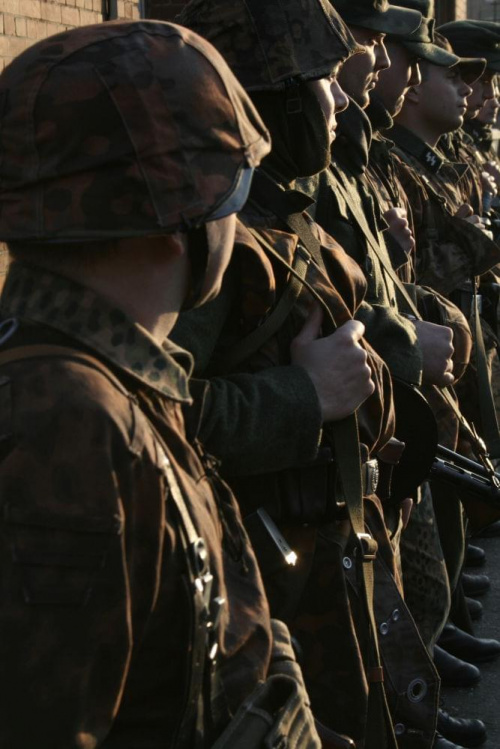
(70, 16)
(51, 12)
(32, 28)
(30, 8)
(21, 27)
(10, 6)
(88, 17)
(9, 25)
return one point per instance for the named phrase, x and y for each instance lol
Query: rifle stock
(466, 475)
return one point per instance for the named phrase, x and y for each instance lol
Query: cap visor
(431, 53)
(471, 68)
(395, 21)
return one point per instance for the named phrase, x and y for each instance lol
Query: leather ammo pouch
(303, 494)
(277, 713)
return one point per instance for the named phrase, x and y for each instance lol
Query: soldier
(474, 39)
(321, 599)
(425, 581)
(132, 609)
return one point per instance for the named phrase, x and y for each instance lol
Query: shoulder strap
(273, 322)
(195, 550)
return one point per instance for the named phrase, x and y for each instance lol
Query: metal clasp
(368, 546)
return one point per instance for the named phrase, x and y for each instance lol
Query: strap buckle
(370, 475)
(368, 546)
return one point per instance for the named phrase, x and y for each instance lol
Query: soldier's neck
(424, 130)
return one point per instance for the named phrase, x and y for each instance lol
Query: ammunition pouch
(294, 496)
(300, 495)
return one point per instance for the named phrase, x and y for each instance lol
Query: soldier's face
(331, 98)
(395, 81)
(489, 111)
(482, 91)
(442, 99)
(360, 73)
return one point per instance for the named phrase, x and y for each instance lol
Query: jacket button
(395, 615)
(384, 628)
(399, 729)
(347, 563)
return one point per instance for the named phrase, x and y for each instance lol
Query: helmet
(120, 130)
(270, 44)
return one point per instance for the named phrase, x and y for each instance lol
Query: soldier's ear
(413, 94)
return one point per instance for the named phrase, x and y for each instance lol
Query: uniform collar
(415, 146)
(39, 296)
(432, 159)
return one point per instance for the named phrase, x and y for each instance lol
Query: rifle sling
(484, 386)
(348, 459)
(265, 192)
(252, 342)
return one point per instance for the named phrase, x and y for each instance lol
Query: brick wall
(23, 22)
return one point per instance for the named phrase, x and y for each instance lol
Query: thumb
(464, 211)
(312, 326)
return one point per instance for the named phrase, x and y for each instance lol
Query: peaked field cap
(422, 42)
(475, 39)
(269, 43)
(379, 16)
(121, 129)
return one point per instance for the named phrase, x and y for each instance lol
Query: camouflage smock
(95, 618)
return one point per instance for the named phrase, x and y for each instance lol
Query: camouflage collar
(431, 159)
(36, 295)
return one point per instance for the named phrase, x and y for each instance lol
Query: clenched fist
(436, 342)
(399, 228)
(336, 364)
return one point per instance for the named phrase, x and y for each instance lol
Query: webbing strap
(412, 308)
(190, 539)
(348, 460)
(273, 322)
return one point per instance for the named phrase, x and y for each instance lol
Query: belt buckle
(368, 546)
(371, 475)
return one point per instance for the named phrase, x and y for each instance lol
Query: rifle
(480, 481)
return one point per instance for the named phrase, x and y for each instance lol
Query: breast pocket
(57, 558)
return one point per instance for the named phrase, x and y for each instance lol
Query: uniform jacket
(96, 613)
(391, 335)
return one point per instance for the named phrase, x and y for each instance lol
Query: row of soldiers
(248, 343)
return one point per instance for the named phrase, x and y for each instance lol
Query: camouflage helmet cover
(268, 44)
(119, 130)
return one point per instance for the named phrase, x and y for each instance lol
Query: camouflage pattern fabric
(459, 147)
(133, 163)
(425, 579)
(450, 250)
(269, 44)
(91, 556)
